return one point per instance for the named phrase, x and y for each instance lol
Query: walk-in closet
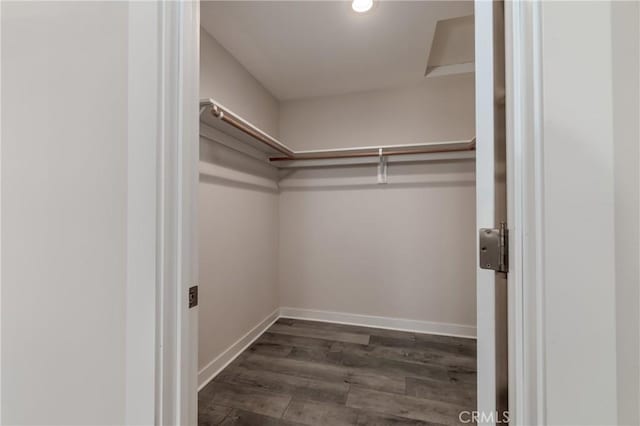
(337, 213)
(319, 212)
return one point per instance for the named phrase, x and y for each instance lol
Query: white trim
(1, 228)
(178, 130)
(525, 204)
(515, 58)
(488, 196)
(388, 323)
(168, 369)
(188, 157)
(219, 363)
(535, 279)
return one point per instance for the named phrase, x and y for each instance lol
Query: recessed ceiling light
(362, 6)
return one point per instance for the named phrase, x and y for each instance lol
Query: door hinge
(494, 248)
(193, 296)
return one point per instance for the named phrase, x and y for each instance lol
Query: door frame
(525, 212)
(177, 165)
(177, 130)
(160, 359)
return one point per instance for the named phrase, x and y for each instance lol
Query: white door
(491, 208)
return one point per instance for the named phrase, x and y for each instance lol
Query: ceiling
(316, 48)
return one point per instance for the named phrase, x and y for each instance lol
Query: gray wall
(437, 109)
(64, 204)
(238, 223)
(401, 250)
(228, 82)
(625, 22)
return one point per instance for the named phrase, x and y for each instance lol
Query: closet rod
(382, 151)
(288, 154)
(235, 121)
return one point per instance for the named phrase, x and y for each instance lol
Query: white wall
(238, 241)
(626, 120)
(224, 79)
(579, 234)
(437, 109)
(238, 222)
(64, 205)
(401, 250)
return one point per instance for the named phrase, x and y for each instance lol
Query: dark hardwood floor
(315, 373)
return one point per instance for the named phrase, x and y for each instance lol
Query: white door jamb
(525, 212)
(177, 328)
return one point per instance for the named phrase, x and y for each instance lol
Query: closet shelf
(215, 115)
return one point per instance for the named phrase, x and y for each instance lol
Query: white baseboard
(400, 324)
(221, 361)
(225, 358)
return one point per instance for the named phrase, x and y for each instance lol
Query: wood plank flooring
(315, 373)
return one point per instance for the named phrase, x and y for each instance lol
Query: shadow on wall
(417, 175)
(235, 183)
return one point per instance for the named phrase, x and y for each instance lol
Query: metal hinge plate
(193, 296)
(494, 248)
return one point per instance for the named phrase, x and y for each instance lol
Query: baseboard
(400, 324)
(221, 361)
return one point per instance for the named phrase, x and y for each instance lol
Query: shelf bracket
(382, 167)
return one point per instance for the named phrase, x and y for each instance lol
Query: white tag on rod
(382, 168)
